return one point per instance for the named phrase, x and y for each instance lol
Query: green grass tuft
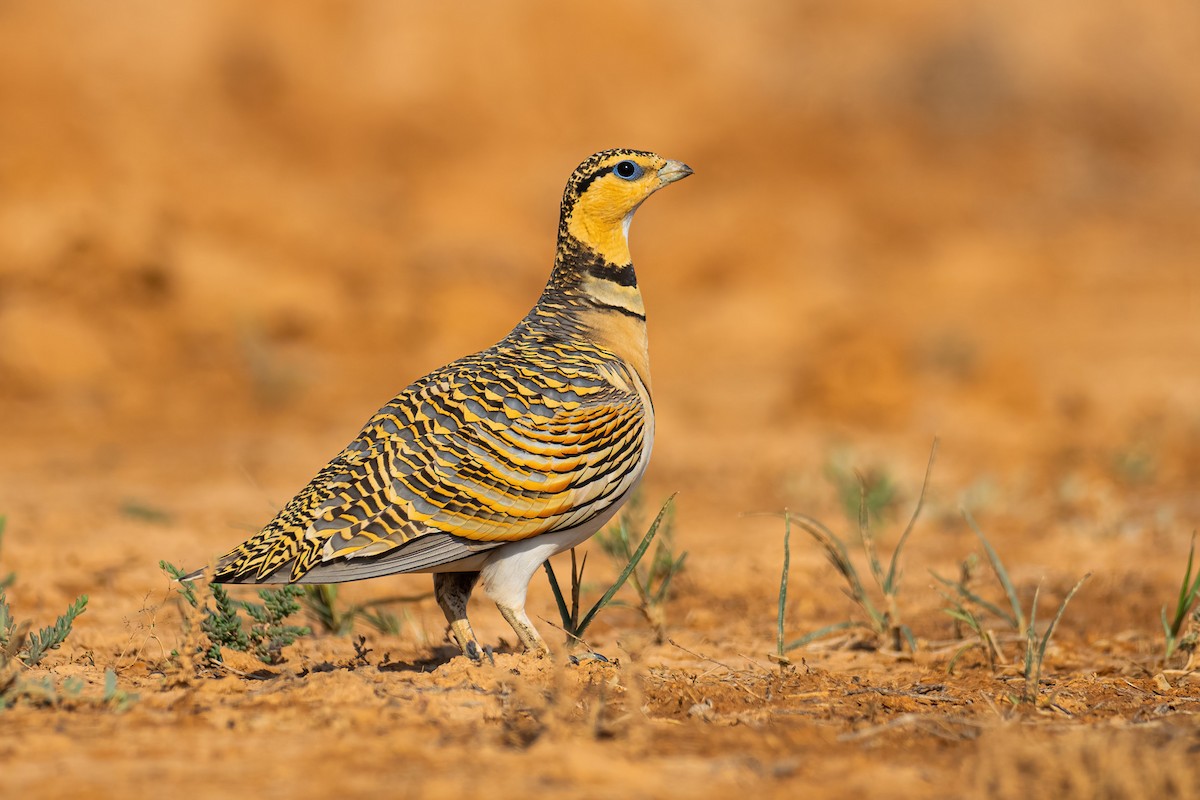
(572, 623)
(1035, 648)
(963, 614)
(1184, 603)
(968, 608)
(321, 603)
(872, 491)
(652, 582)
(8, 579)
(19, 648)
(882, 620)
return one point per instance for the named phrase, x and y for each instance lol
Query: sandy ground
(228, 233)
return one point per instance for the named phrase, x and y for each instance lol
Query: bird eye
(628, 170)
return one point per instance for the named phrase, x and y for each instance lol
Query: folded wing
(456, 465)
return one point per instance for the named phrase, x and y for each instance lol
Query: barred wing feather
(476, 462)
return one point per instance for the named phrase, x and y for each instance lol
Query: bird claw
(472, 652)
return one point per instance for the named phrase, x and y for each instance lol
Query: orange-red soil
(229, 232)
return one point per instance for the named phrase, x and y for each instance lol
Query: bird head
(604, 191)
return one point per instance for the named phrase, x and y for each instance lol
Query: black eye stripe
(586, 182)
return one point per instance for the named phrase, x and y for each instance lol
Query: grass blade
(962, 615)
(561, 601)
(321, 601)
(967, 594)
(835, 551)
(890, 580)
(783, 582)
(1031, 680)
(633, 562)
(1187, 576)
(670, 573)
(1187, 591)
(1054, 622)
(576, 585)
(998, 567)
(864, 533)
(821, 632)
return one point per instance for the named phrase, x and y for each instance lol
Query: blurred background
(229, 232)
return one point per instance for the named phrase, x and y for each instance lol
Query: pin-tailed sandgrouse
(488, 466)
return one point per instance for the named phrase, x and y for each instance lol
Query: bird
(484, 468)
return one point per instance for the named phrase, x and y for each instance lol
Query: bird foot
(477, 654)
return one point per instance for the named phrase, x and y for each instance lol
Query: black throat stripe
(622, 276)
(629, 312)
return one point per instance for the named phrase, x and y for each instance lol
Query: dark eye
(628, 170)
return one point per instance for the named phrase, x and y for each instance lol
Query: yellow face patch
(610, 195)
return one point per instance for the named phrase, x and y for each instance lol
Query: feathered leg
(453, 590)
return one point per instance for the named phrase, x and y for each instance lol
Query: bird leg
(524, 629)
(453, 590)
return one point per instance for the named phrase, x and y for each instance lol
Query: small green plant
(883, 622)
(572, 623)
(8, 579)
(39, 691)
(873, 489)
(1188, 591)
(781, 647)
(114, 696)
(651, 583)
(1138, 459)
(49, 638)
(15, 640)
(269, 633)
(144, 512)
(962, 614)
(44, 691)
(1035, 648)
(1015, 617)
(968, 607)
(21, 649)
(321, 602)
(223, 624)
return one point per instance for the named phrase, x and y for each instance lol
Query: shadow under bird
(483, 469)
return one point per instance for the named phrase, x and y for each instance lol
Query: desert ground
(229, 232)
